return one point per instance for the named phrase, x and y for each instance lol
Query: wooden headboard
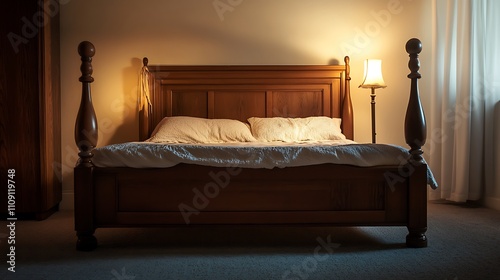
(240, 92)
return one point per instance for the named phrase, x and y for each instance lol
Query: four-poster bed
(185, 194)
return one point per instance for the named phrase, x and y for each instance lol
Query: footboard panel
(191, 194)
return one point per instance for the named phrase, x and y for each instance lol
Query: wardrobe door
(30, 145)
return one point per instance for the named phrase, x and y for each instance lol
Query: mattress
(252, 155)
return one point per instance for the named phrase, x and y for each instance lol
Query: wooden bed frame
(186, 195)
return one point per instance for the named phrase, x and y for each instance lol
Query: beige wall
(238, 32)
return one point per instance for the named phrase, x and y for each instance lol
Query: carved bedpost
(86, 121)
(86, 140)
(415, 135)
(347, 114)
(415, 127)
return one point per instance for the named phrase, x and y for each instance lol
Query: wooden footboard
(184, 195)
(318, 195)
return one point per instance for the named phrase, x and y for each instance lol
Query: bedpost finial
(347, 67)
(413, 46)
(145, 61)
(86, 50)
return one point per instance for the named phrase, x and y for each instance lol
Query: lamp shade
(373, 74)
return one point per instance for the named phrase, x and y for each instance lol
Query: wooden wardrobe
(30, 128)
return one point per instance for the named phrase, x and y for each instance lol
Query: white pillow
(296, 129)
(182, 129)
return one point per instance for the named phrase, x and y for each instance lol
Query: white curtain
(464, 91)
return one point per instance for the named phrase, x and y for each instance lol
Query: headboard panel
(241, 92)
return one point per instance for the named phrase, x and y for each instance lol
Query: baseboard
(492, 202)
(68, 202)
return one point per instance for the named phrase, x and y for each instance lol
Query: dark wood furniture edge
(30, 115)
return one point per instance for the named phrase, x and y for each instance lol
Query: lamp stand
(373, 115)
(373, 79)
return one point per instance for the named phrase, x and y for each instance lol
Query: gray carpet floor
(464, 243)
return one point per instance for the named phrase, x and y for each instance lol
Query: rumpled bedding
(252, 155)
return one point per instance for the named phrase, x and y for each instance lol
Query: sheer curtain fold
(464, 62)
